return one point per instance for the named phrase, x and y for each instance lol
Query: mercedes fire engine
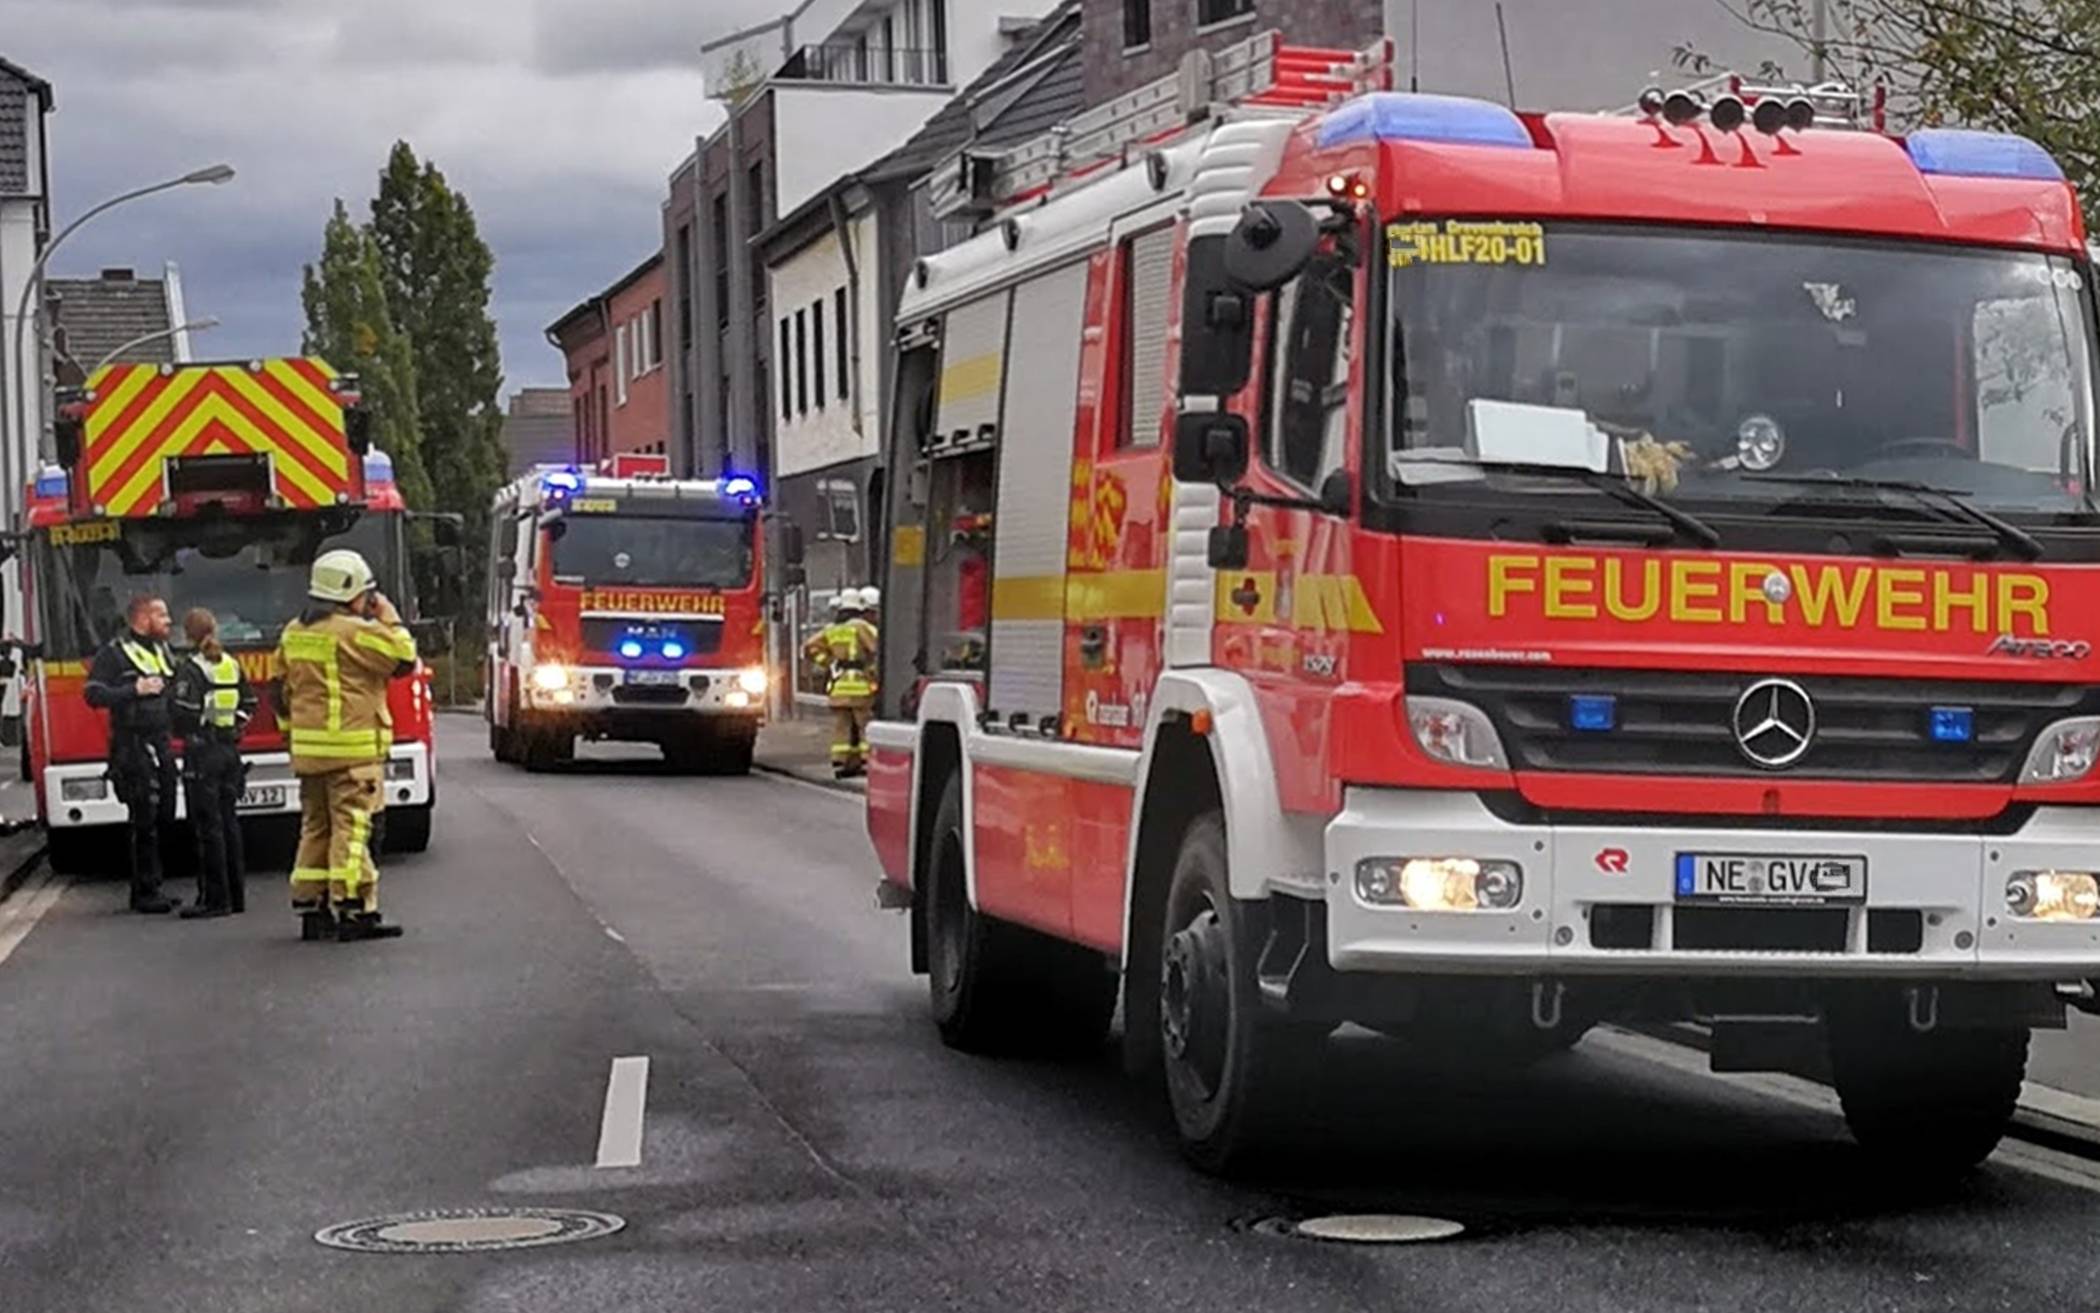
(210, 485)
(1476, 574)
(626, 605)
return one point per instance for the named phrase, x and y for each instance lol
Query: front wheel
(1226, 1062)
(1930, 1104)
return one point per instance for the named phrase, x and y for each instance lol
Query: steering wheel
(1921, 449)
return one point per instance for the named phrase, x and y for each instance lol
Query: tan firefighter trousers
(335, 828)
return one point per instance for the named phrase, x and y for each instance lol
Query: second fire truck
(1474, 574)
(210, 485)
(626, 605)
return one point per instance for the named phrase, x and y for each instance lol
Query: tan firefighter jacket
(336, 670)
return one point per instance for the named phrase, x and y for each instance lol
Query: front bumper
(602, 692)
(272, 788)
(1577, 878)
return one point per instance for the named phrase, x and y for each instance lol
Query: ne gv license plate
(261, 797)
(1765, 878)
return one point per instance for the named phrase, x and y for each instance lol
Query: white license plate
(655, 678)
(1770, 878)
(262, 797)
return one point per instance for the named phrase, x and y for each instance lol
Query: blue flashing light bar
(379, 467)
(1952, 724)
(561, 482)
(1687, 881)
(1969, 153)
(1593, 713)
(631, 649)
(1418, 116)
(739, 485)
(52, 482)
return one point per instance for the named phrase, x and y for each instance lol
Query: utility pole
(1822, 30)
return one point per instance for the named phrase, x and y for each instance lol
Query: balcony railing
(871, 65)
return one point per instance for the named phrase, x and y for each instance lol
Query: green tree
(2025, 66)
(436, 270)
(349, 326)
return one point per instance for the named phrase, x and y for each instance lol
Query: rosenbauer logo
(639, 601)
(1694, 590)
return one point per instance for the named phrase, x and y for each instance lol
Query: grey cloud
(636, 34)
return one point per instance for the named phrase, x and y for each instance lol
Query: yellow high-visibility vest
(222, 704)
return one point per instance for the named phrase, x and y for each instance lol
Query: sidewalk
(21, 838)
(801, 749)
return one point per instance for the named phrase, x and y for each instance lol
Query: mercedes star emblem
(1775, 721)
(1777, 588)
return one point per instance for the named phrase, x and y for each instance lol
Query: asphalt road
(182, 1106)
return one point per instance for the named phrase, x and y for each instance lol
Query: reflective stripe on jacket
(336, 670)
(847, 649)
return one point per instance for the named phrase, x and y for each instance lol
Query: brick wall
(1111, 69)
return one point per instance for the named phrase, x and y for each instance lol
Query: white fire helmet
(340, 576)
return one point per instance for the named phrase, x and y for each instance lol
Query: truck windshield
(659, 551)
(1738, 368)
(251, 574)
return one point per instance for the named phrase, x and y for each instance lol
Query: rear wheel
(1226, 1060)
(97, 850)
(408, 828)
(1931, 1104)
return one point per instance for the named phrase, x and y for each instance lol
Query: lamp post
(10, 474)
(194, 326)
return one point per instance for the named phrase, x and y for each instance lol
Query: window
(1221, 11)
(1309, 373)
(1148, 297)
(840, 504)
(1137, 23)
(802, 362)
(755, 199)
(816, 350)
(622, 354)
(843, 328)
(787, 388)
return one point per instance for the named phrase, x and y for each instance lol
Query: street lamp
(194, 326)
(10, 476)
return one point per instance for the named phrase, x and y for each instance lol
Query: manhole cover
(468, 1230)
(1378, 1228)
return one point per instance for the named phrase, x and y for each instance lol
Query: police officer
(213, 704)
(846, 649)
(337, 659)
(129, 680)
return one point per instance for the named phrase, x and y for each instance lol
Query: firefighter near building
(626, 605)
(214, 486)
(1476, 575)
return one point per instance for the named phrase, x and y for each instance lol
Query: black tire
(997, 987)
(734, 751)
(97, 850)
(1225, 1060)
(408, 828)
(546, 747)
(1929, 1105)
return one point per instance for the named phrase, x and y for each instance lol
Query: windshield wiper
(1686, 524)
(2007, 533)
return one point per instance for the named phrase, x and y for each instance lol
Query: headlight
(736, 699)
(752, 681)
(1456, 732)
(2053, 895)
(83, 790)
(2064, 752)
(550, 676)
(1440, 884)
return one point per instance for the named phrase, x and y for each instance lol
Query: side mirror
(792, 549)
(448, 531)
(1274, 242)
(1228, 547)
(1338, 494)
(69, 425)
(795, 575)
(357, 427)
(1217, 324)
(1210, 447)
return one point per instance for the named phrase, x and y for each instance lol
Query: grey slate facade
(95, 316)
(23, 97)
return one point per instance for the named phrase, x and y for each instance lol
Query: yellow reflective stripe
(352, 872)
(309, 875)
(337, 742)
(385, 643)
(318, 647)
(147, 659)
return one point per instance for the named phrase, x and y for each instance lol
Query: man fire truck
(628, 605)
(1474, 574)
(210, 485)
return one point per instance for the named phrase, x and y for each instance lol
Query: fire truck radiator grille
(1682, 723)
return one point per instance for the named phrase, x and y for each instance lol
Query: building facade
(539, 428)
(613, 347)
(116, 315)
(25, 225)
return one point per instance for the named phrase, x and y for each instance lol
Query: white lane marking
(620, 1130)
(2050, 1164)
(613, 934)
(19, 915)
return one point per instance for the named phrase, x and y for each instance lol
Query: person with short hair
(129, 680)
(213, 703)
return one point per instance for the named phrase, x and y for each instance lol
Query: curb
(13, 878)
(859, 790)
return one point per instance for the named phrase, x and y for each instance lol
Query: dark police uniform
(141, 757)
(213, 704)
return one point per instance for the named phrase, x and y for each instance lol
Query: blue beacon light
(1952, 724)
(1593, 713)
(674, 651)
(631, 649)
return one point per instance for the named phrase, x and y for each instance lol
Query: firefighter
(337, 659)
(129, 679)
(213, 704)
(846, 651)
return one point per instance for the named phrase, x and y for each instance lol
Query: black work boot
(315, 920)
(205, 912)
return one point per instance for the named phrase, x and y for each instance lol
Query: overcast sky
(560, 119)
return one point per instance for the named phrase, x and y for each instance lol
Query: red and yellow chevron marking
(142, 415)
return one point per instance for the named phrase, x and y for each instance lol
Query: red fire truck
(1476, 574)
(210, 485)
(627, 605)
